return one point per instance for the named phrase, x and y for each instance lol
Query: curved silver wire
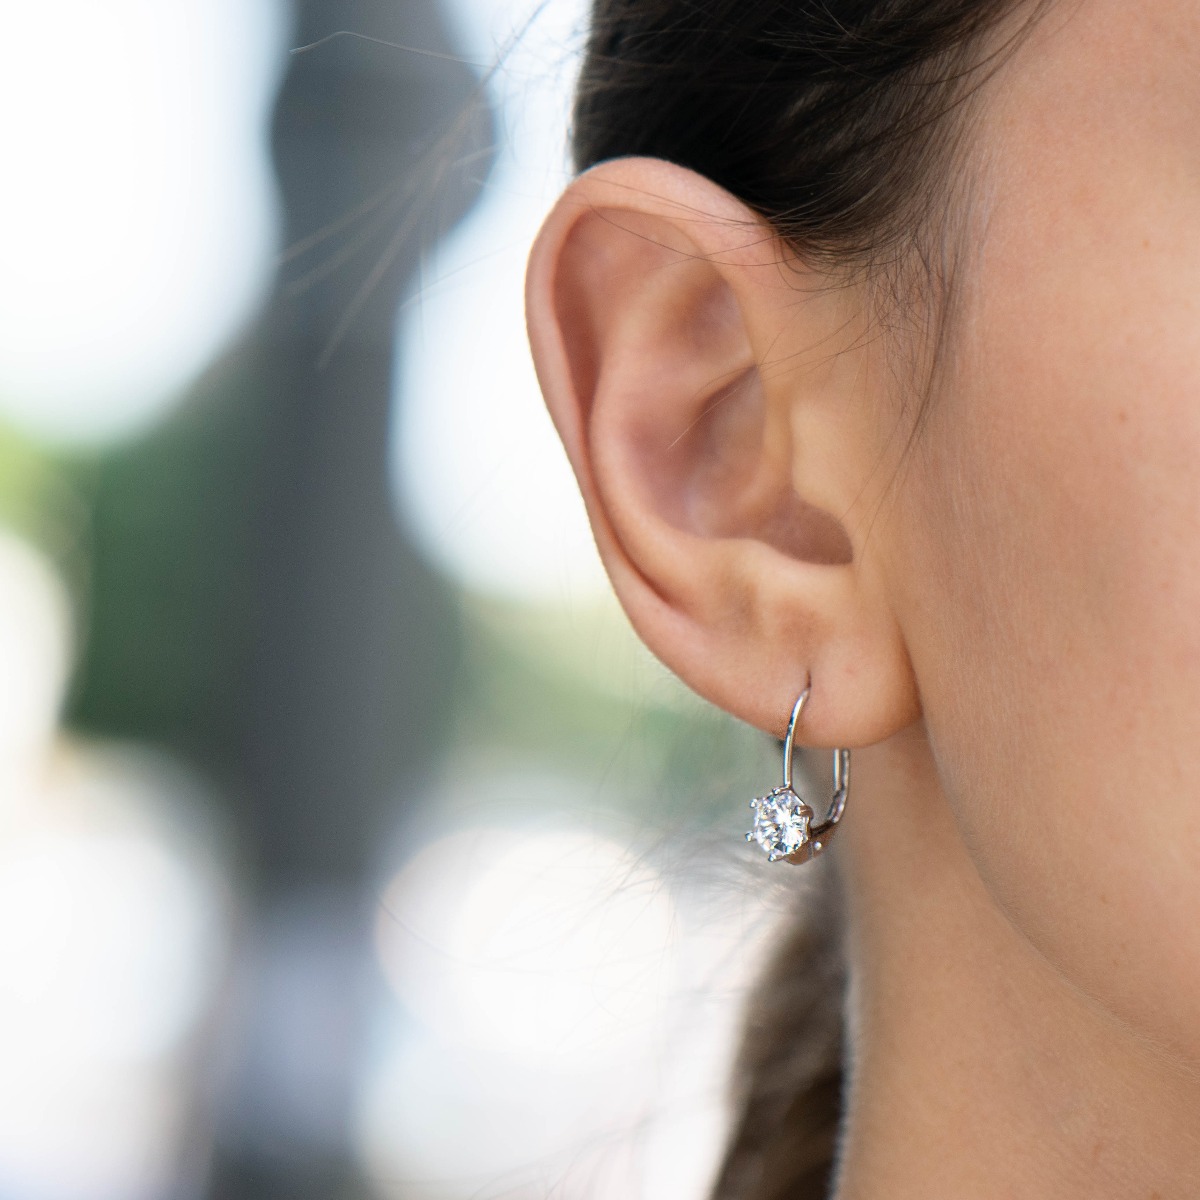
(841, 789)
(820, 831)
(790, 737)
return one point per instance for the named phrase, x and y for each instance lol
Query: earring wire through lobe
(815, 835)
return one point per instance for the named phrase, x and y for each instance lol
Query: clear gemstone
(781, 822)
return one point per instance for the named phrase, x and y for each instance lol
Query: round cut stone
(781, 821)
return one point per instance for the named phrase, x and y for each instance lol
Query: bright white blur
(552, 948)
(112, 929)
(564, 1010)
(477, 464)
(138, 211)
(137, 229)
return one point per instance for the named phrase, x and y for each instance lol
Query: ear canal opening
(804, 531)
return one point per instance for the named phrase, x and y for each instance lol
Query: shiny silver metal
(796, 828)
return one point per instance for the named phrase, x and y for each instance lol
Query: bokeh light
(113, 922)
(113, 919)
(139, 216)
(564, 1014)
(552, 947)
(105, 959)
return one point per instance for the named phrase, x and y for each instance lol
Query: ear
(717, 401)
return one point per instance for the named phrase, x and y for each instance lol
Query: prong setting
(784, 825)
(781, 823)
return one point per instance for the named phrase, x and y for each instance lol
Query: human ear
(718, 403)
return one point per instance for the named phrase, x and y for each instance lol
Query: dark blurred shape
(255, 606)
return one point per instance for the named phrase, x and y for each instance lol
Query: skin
(1002, 622)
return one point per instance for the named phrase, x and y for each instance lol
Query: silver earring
(783, 823)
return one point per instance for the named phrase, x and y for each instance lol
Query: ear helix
(783, 822)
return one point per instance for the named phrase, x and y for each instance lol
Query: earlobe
(692, 370)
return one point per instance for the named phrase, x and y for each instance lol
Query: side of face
(1047, 546)
(1026, 582)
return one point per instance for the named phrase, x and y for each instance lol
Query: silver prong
(817, 847)
(754, 802)
(749, 837)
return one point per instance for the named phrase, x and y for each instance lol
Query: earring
(783, 823)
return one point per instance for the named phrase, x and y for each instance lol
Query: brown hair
(829, 118)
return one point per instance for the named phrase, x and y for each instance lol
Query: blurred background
(350, 845)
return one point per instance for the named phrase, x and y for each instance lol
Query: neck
(976, 1069)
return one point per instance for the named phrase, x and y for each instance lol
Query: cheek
(1052, 550)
